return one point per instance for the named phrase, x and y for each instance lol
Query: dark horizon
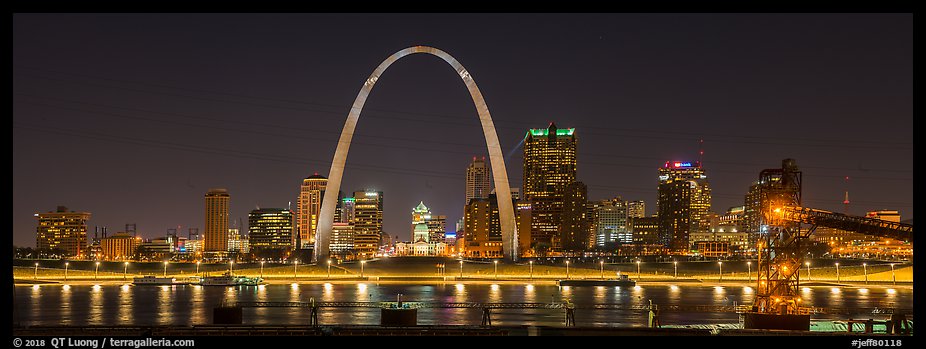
(149, 111)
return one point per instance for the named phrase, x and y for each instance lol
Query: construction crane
(785, 229)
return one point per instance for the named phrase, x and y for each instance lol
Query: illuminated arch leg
(502, 189)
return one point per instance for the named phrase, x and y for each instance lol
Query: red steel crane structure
(783, 238)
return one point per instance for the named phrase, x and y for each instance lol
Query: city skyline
(181, 132)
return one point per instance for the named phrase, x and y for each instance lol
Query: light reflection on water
(192, 305)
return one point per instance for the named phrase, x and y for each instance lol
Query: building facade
(341, 244)
(612, 223)
(120, 246)
(683, 204)
(636, 209)
(646, 230)
(347, 211)
(368, 223)
(309, 205)
(574, 227)
(549, 167)
(436, 224)
(270, 232)
(64, 230)
(482, 237)
(478, 180)
(215, 235)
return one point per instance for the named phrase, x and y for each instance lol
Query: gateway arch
(496, 158)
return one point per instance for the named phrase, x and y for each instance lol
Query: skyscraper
(549, 167)
(347, 211)
(574, 227)
(311, 193)
(63, 230)
(683, 205)
(368, 222)
(270, 232)
(216, 228)
(478, 180)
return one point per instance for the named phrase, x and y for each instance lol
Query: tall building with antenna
(683, 204)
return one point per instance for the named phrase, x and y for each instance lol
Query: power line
(456, 117)
(302, 161)
(633, 132)
(251, 131)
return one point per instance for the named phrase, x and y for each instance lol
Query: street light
(461, 268)
(638, 270)
(329, 268)
(893, 277)
(865, 267)
(125, 270)
(720, 265)
(808, 270)
(749, 267)
(837, 271)
(66, 270)
(197, 268)
(261, 269)
(35, 276)
(165, 268)
(675, 263)
(361, 267)
(231, 267)
(567, 269)
(295, 265)
(532, 269)
(496, 268)
(97, 271)
(601, 270)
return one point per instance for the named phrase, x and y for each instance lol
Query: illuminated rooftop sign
(546, 132)
(682, 164)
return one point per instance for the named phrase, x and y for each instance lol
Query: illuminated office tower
(612, 223)
(270, 232)
(216, 228)
(636, 209)
(311, 193)
(63, 230)
(347, 211)
(342, 240)
(368, 222)
(683, 205)
(478, 180)
(549, 167)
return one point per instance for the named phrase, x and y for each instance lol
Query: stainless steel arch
(496, 158)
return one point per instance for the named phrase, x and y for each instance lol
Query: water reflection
(164, 302)
(494, 294)
(185, 305)
(66, 304)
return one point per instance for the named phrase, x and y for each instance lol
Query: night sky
(134, 117)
